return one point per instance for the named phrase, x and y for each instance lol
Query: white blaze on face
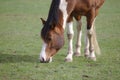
(43, 53)
(63, 8)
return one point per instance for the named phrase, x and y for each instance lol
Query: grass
(20, 45)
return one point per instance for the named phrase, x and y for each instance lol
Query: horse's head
(53, 40)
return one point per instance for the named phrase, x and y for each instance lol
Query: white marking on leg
(70, 28)
(70, 34)
(90, 32)
(79, 35)
(86, 45)
(63, 8)
(50, 59)
(92, 54)
(43, 53)
(90, 35)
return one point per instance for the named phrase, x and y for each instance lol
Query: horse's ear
(43, 21)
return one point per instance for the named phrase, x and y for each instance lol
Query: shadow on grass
(10, 58)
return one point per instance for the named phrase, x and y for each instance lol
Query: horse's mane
(53, 12)
(53, 17)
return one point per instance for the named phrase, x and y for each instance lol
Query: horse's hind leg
(78, 42)
(89, 47)
(70, 34)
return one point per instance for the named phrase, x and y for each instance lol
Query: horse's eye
(49, 39)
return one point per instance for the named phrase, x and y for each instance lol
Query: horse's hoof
(92, 58)
(77, 54)
(86, 55)
(68, 60)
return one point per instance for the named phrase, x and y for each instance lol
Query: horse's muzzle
(42, 60)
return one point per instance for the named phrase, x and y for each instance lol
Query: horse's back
(82, 7)
(90, 3)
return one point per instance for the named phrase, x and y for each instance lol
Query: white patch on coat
(63, 8)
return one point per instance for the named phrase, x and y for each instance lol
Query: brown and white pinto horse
(61, 14)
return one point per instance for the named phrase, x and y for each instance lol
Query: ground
(20, 44)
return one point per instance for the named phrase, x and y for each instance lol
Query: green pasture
(20, 44)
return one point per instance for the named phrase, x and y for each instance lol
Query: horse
(61, 14)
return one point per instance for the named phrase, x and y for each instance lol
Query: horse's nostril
(42, 60)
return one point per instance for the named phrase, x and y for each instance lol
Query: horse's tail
(95, 42)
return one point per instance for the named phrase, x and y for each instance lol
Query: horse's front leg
(70, 34)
